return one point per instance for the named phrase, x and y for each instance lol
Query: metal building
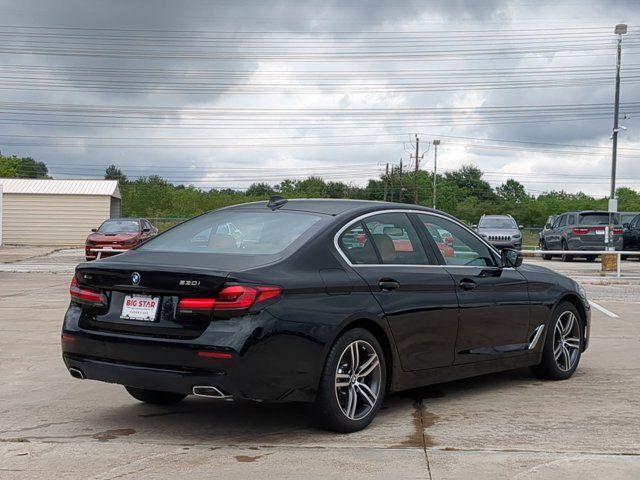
(54, 212)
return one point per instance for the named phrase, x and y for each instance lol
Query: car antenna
(276, 201)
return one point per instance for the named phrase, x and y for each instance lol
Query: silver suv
(501, 231)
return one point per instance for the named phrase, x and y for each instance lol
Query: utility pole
(415, 174)
(386, 179)
(435, 169)
(620, 29)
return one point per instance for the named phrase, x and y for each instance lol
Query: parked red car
(117, 235)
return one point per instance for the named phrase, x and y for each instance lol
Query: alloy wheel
(566, 341)
(358, 380)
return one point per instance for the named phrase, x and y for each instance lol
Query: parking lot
(507, 425)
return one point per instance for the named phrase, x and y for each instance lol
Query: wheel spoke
(355, 360)
(342, 380)
(568, 326)
(572, 343)
(567, 357)
(369, 366)
(366, 393)
(352, 403)
(557, 352)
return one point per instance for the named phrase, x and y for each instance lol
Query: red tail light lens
(618, 231)
(580, 231)
(234, 297)
(87, 296)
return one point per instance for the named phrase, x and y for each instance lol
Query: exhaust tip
(211, 391)
(76, 373)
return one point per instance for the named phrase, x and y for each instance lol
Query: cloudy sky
(225, 93)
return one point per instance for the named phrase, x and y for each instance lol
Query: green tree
(114, 173)
(511, 191)
(259, 190)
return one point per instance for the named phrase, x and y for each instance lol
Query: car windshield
(497, 223)
(627, 217)
(230, 231)
(598, 218)
(119, 226)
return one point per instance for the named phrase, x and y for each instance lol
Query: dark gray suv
(501, 231)
(581, 231)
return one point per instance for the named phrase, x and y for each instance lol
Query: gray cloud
(133, 43)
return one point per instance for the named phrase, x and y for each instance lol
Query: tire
(155, 397)
(561, 357)
(565, 257)
(351, 407)
(591, 258)
(543, 246)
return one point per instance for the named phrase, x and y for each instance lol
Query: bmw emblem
(135, 278)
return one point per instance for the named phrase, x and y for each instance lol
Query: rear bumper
(164, 379)
(272, 360)
(581, 244)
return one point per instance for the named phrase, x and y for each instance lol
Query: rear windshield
(497, 223)
(235, 232)
(117, 226)
(598, 218)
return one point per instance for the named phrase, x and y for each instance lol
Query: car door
(494, 302)
(416, 294)
(555, 235)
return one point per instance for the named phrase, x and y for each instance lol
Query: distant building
(54, 212)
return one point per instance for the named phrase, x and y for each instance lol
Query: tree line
(462, 192)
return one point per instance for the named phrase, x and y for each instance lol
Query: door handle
(388, 284)
(467, 284)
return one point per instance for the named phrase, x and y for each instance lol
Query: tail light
(618, 231)
(232, 298)
(87, 296)
(580, 230)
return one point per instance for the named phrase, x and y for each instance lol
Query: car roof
(137, 219)
(497, 216)
(331, 206)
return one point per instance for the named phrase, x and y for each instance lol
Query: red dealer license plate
(140, 307)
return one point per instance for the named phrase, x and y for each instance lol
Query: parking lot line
(608, 313)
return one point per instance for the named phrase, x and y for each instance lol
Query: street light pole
(620, 29)
(435, 169)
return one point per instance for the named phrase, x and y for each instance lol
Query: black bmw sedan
(332, 302)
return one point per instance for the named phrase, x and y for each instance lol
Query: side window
(571, 220)
(562, 221)
(356, 245)
(396, 240)
(457, 245)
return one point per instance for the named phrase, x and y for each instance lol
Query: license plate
(599, 232)
(140, 307)
(107, 248)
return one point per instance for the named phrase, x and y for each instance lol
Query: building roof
(60, 187)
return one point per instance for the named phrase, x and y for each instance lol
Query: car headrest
(393, 231)
(222, 242)
(386, 247)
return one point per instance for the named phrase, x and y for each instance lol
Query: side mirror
(520, 227)
(510, 258)
(474, 226)
(626, 225)
(94, 230)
